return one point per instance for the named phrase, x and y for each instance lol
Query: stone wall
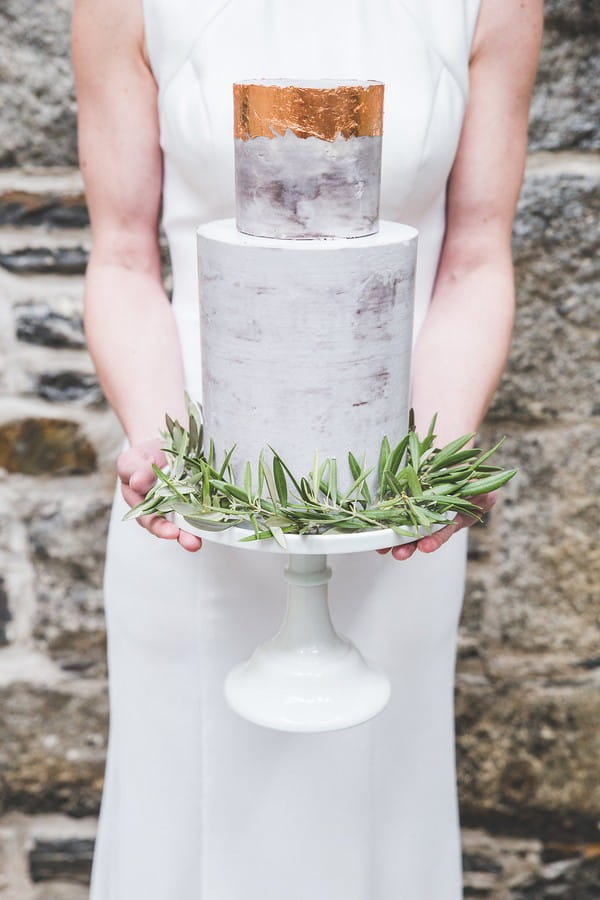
(527, 686)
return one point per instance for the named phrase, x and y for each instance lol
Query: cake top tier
(308, 157)
(319, 109)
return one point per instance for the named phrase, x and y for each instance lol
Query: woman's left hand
(432, 542)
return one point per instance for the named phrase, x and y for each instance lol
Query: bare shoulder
(108, 27)
(510, 33)
(119, 147)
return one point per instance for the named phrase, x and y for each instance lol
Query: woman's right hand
(134, 467)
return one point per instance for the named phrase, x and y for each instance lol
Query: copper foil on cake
(267, 110)
(308, 158)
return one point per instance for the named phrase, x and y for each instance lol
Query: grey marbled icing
(290, 187)
(305, 344)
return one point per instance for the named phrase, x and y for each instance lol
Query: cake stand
(307, 677)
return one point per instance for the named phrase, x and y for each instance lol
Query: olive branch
(418, 485)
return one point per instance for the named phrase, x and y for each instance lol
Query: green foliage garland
(418, 485)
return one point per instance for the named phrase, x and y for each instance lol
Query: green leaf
(333, 481)
(430, 432)
(271, 486)
(354, 466)
(211, 524)
(485, 485)
(405, 532)
(193, 429)
(448, 452)
(395, 485)
(481, 459)
(228, 456)
(278, 535)
(384, 452)
(170, 424)
(232, 490)
(356, 484)
(419, 514)
(248, 478)
(415, 450)
(413, 481)
(395, 458)
(306, 491)
(280, 482)
(287, 469)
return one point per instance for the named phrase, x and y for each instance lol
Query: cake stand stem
(307, 627)
(307, 677)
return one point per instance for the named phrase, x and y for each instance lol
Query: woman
(199, 803)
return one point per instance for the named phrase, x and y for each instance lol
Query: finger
(142, 479)
(127, 463)
(135, 468)
(189, 541)
(384, 550)
(132, 498)
(159, 527)
(404, 551)
(432, 542)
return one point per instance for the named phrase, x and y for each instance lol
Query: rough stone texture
(51, 845)
(50, 324)
(69, 859)
(527, 687)
(528, 755)
(67, 550)
(69, 387)
(542, 592)
(45, 446)
(565, 112)
(22, 208)
(505, 868)
(553, 368)
(5, 613)
(52, 744)
(46, 261)
(36, 85)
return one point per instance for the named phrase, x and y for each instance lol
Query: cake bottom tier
(306, 345)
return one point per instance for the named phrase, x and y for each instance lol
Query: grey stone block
(527, 758)
(36, 84)
(57, 323)
(18, 209)
(69, 859)
(52, 749)
(541, 594)
(552, 371)
(67, 544)
(5, 613)
(45, 446)
(45, 261)
(69, 387)
(565, 111)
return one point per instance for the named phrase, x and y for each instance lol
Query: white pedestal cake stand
(307, 677)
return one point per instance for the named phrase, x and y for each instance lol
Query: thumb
(143, 477)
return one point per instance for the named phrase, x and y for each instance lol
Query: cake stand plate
(307, 677)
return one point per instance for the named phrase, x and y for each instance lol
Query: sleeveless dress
(198, 803)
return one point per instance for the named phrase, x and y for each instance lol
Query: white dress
(198, 803)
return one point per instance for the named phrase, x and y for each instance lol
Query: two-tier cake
(306, 298)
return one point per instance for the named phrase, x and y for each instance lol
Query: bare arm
(129, 324)
(463, 345)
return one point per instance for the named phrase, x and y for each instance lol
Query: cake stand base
(307, 677)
